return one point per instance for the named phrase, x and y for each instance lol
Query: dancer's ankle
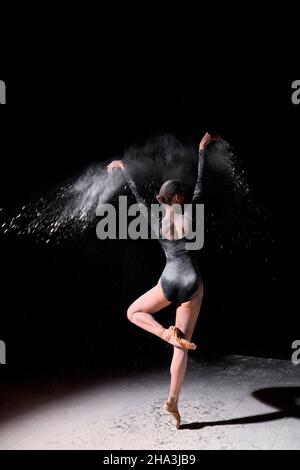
(173, 398)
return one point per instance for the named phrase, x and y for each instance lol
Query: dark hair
(169, 189)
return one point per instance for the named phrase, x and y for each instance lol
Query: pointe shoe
(173, 333)
(172, 408)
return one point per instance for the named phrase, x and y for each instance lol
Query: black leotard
(181, 277)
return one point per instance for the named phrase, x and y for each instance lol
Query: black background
(65, 307)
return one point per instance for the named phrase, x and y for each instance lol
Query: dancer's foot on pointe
(171, 405)
(174, 336)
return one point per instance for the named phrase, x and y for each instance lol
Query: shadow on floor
(285, 399)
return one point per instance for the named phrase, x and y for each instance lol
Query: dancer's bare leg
(141, 310)
(186, 318)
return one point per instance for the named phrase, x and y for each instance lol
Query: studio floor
(233, 403)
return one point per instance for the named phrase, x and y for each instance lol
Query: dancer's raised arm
(198, 186)
(120, 164)
(154, 220)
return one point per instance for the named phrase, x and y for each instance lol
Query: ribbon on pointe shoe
(182, 341)
(173, 331)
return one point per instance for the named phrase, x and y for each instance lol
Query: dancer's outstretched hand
(115, 164)
(205, 141)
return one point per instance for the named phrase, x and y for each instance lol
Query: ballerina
(180, 281)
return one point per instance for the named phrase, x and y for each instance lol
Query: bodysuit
(181, 277)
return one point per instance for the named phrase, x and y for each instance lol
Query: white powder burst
(68, 209)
